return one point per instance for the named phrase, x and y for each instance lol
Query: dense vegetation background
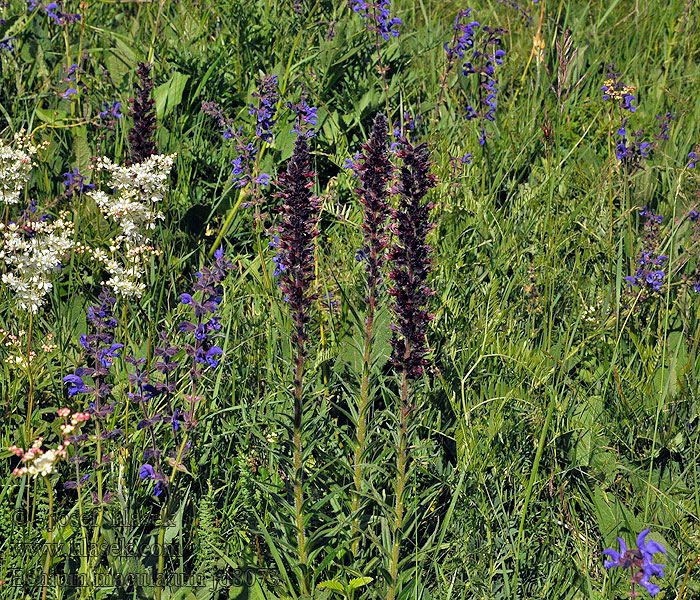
(560, 409)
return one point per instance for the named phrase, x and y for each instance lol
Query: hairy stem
(362, 412)
(400, 484)
(298, 464)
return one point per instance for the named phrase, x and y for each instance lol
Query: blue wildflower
(640, 561)
(111, 109)
(305, 118)
(146, 472)
(463, 37)
(76, 385)
(266, 109)
(377, 17)
(693, 156)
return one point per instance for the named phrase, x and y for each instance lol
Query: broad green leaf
(169, 94)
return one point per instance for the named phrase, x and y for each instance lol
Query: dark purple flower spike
(295, 250)
(411, 258)
(142, 133)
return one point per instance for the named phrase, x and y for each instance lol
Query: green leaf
(169, 95)
(54, 117)
(333, 585)
(118, 64)
(81, 149)
(359, 582)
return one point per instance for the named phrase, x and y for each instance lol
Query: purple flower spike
(266, 110)
(143, 112)
(377, 17)
(411, 258)
(374, 170)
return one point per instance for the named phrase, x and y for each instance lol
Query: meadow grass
(560, 408)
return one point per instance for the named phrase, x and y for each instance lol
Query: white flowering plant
(35, 250)
(15, 166)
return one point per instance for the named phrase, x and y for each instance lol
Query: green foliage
(560, 412)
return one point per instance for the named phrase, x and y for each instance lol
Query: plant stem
(161, 549)
(362, 410)
(400, 482)
(298, 461)
(47, 564)
(30, 399)
(263, 266)
(100, 510)
(84, 568)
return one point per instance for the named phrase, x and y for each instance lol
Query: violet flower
(640, 562)
(101, 349)
(694, 279)
(75, 183)
(411, 127)
(206, 296)
(664, 123)
(244, 172)
(649, 276)
(214, 110)
(305, 118)
(6, 45)
(71, 73)
(377, 17)
(463, 37)
(631, 153)
(266, 109)
(524, 12)
(54, 11)
(484, 60)
(111, 110)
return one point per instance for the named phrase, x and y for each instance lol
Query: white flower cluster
(139, 188)
(35, 249)
(15, 166)
(591, 313)
(17, 348)
(125, 278)
(133, 207)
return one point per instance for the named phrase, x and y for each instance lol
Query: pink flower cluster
(36, 461)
